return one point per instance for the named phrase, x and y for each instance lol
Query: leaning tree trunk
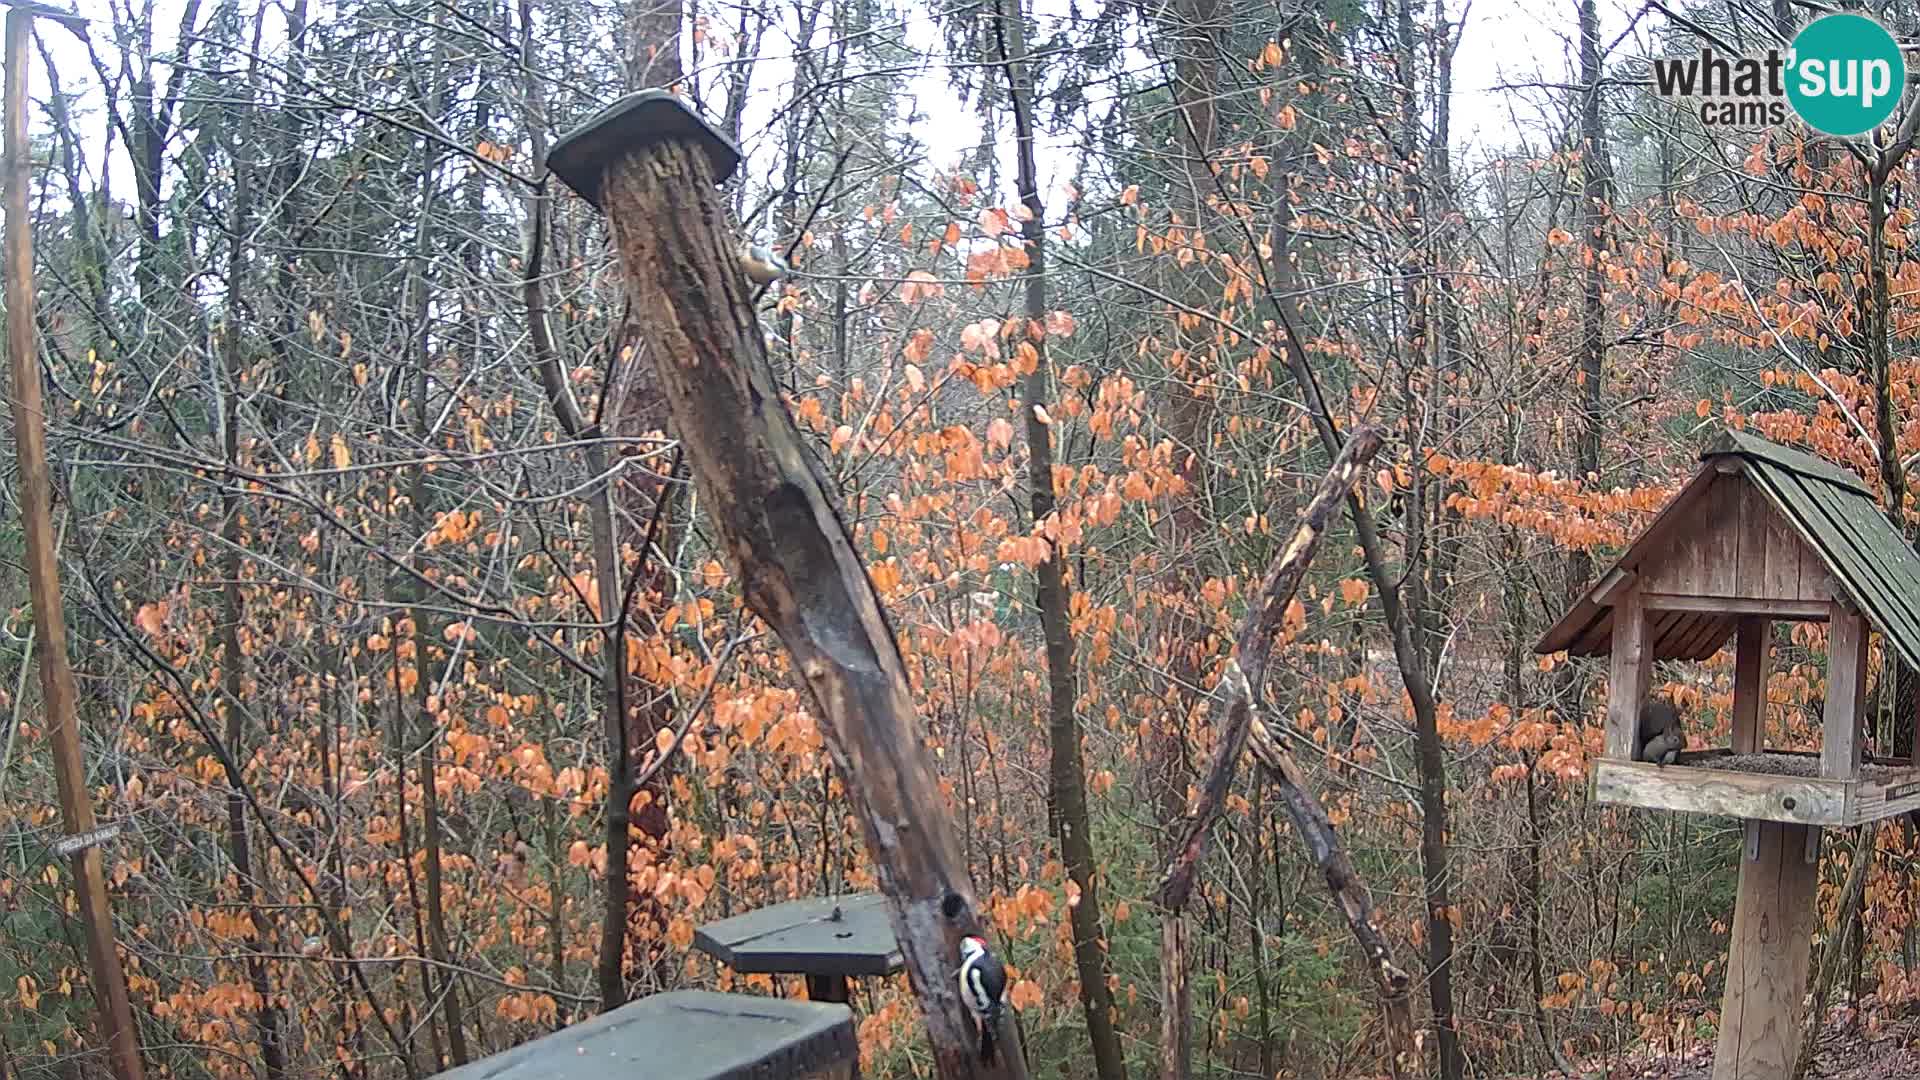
(652, 166)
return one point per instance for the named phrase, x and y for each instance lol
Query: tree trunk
(624, 728)
(426, 702)
(1194, 30)
(794, 556)
(233, 660)
(1066, 776)
(1596, 196)
(653, 44)
(1421, 605)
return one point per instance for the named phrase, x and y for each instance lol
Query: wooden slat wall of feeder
(1762, 533)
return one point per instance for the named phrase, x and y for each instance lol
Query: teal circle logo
(1845, 74)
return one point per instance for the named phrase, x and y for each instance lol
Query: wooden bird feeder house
(1762, 533)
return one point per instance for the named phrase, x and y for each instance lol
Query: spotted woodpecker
(762, 265)
(983, 987)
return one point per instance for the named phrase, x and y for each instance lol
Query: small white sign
(67, 845)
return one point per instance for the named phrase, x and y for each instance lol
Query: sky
(1509, 48)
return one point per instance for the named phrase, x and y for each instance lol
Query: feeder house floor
(1768, 786)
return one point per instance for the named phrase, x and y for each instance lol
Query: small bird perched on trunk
(983, 987)
(1659, 739)
(762, 265)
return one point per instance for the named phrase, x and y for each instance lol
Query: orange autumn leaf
(919, 286)
(151, 619)
(584, 587)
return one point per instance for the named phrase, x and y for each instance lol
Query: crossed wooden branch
(1237, 697)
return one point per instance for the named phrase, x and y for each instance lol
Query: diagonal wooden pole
(43, 573)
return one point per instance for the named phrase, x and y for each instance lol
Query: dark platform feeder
(581, 156)
(1761, 533)
(687, 1035)
(826, 939)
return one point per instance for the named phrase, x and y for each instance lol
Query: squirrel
(1659, 739)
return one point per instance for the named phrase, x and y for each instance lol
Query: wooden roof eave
(1590, 609)
(1871, 567)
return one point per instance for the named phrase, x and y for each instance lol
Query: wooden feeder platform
(826, 939)
(1772, 785)
(1761, 534)
(687, 1035)
(582, 156)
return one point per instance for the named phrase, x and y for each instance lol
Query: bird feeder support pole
(1761, 1019)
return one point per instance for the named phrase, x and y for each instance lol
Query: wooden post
(1632, 668)
(828, 988)
(1750, 666)
(652, 165)
(1841, 725)
(1760, 1018)
(109, 985)
(1912, 695)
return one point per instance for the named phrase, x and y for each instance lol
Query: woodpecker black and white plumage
(983, 987)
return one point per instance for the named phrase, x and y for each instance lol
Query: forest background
(398, 622)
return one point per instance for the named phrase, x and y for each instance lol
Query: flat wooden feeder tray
(1768, 785)
(687, 1035)
(827, 939)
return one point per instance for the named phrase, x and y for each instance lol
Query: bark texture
(794, 558)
